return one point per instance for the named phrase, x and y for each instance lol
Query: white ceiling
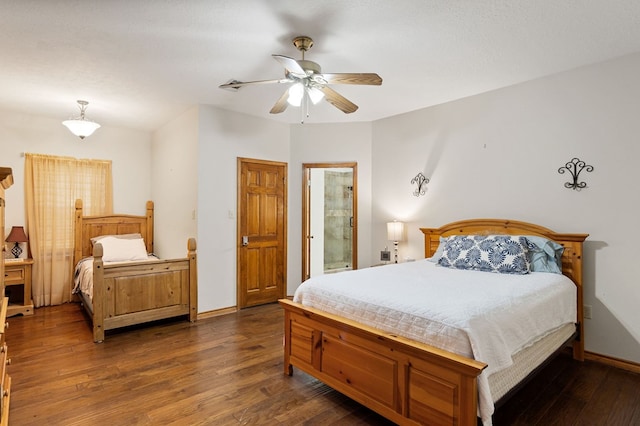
(141, 63)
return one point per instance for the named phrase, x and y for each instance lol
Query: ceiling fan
(308, 83)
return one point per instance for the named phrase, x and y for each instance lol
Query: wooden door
(261, 240)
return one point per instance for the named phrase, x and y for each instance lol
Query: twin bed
(119, 282)
(436, 341)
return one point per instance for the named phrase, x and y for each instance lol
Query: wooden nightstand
(17, 281)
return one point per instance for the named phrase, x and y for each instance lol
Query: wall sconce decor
(17, 236)
(575, 167)
(395, 233)
(421, 181)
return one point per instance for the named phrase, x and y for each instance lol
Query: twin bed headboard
(87, 227)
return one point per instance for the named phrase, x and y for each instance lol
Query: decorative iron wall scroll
(575, 167)
(421, 181)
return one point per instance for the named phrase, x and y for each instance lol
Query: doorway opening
(329, 218)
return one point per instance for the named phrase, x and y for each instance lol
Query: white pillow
(94, 240)
(120, 249)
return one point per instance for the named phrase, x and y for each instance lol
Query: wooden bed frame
(406, 381)
(135, 292)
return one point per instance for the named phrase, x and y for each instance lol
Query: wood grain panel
(253, 214)
(360, 369)
(431, 399)
(139, 293)
(302, 339)
(268, 271)
(271, 179)
(253, 269)
(270, 219)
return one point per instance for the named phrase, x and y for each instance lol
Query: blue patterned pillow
(503, 254)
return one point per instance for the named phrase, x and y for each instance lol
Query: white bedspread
(480, 315)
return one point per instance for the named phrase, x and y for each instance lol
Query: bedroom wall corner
(174, 177)
(223, 136)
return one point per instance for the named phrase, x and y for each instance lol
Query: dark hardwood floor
(228, 371)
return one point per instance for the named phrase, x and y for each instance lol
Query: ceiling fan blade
(281, 104)
(291, 65)
(337, 100)
(372, 79)
(235, 84)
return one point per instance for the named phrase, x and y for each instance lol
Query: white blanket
(480, 315)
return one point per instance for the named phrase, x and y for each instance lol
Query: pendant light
(80, 126)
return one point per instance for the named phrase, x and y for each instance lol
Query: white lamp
(395, 233)
(80, 126)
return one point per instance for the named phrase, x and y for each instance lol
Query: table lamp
(17, 236)
(395, 233)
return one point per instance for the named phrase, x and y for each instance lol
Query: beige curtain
(52, 184)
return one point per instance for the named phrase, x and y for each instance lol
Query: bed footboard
(138, 292)
(403, 380)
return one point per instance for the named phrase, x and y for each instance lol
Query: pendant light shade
(80, 126)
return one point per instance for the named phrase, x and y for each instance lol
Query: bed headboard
(87, 227)
(571, 257)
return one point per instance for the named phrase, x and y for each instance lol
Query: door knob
(245, 240)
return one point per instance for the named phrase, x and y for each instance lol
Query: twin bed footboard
(138, 292)
(403, 380)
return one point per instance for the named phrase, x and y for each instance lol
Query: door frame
(239, 199)
(306, 207)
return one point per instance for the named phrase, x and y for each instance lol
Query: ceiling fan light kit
(308, 84)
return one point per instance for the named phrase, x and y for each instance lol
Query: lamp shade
(81, 127)
(17, 235)
(395, 231)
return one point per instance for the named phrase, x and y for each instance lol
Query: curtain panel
(52, 185)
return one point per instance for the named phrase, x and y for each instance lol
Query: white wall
(321, 143)
(174, 173)
(127, 149)
(224, 136)
(498, 155)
